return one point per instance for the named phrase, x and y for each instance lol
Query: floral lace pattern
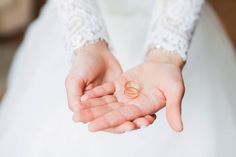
(173, 25)
(83, 21)
(171, 29)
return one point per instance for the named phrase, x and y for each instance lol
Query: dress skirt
(36, 122)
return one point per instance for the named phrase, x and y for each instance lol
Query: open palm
(107, 106)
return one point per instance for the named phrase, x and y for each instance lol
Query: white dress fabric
(35, 120)
(172, 25)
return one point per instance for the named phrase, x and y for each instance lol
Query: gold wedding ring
(132, 89)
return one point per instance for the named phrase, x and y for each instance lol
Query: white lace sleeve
(173, 25)
(83, 21)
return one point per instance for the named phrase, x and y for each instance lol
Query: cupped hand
(161, 86)
(93, 65)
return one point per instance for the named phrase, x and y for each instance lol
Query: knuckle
(67, 80)
(70, 107)
(77, 118)
(70, 79)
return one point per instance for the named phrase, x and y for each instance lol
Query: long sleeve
(83, 22)
(173, 24)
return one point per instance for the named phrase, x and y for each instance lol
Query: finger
(174, 98)
(129, 126)
(145, 121)
(116, 117)
(90, 114)
(95, 102)
(88, 87)
(74, 89)
(151, 118)
(104, 89)
(124, 127)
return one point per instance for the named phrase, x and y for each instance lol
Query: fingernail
(143, 126)
(127, 131)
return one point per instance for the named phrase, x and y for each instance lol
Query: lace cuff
(83, 21)
(173, 25)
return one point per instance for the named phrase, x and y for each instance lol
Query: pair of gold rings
(132, 89)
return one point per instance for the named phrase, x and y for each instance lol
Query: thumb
(174, 98)
(75, 89)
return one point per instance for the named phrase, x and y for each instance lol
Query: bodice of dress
(126, 7)
(171, 29)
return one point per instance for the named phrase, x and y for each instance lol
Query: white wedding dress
(35, 120)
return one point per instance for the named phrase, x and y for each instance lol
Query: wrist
(100, 47)
(99, 50)
(161, 56)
